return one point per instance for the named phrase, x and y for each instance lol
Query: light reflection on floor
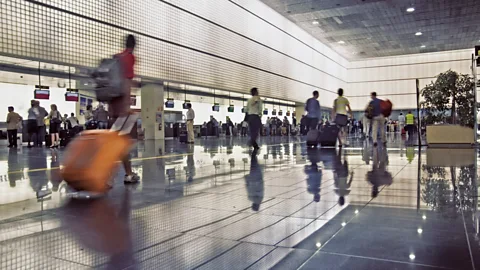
(212, 205)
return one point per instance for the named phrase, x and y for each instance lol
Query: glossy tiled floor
(214, 206)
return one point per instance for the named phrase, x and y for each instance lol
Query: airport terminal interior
(392, 187)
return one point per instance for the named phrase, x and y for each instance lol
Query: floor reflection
(102, 227)
(217, 205)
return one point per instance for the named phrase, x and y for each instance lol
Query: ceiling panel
(377, 28)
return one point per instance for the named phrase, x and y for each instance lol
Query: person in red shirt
(121, 106)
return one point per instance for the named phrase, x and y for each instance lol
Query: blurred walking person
(254, 111)
(120, 107)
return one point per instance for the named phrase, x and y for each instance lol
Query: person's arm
(260, 105)
(349, 109)
(334, 109)
(9, 118)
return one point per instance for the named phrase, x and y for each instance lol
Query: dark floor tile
(431, 248)
(293, 260)
(326, 261)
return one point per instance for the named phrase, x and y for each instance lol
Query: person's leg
(382, 135)
(57, 139)
(190, 131)
(14, 135)
(375, 123)
(254, 124)
(52, 140)
(9, 136)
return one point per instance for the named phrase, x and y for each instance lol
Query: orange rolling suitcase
(92, 157)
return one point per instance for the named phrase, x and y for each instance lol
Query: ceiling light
(410, 9)
(343, 224)
(412, 256)
(341, 42)
(423, 46)
(420, 231)
(318, 244)
(424, 217)
(316, 22)
(418, 33)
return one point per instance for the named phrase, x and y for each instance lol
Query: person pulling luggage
(312, 107)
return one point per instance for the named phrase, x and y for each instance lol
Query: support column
(153, 112)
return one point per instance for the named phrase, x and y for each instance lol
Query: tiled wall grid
(214, 43)
(223, 44)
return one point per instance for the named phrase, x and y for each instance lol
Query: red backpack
(386, 107)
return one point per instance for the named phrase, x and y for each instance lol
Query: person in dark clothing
(312, 107)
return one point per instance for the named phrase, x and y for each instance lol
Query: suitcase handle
(124, 124)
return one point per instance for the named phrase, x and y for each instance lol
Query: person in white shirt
(190, 119)
(401, 122)
(254, 110)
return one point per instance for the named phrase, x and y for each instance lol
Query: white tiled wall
(394, 77)
(231, 45)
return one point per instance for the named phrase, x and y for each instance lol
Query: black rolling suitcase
(182, 133)
(65, 137)
(313, 137)
(329, 135)
(183, 137)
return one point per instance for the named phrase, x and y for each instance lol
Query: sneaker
(131, 179)
(375, 144)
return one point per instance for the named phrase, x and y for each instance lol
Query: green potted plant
(448, 109)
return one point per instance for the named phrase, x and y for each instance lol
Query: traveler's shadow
(314, 174)
(15, 168)
(254, 184)
(341, 176)
(37, 173)
(190, 168)
(99, 226)
(379, 176)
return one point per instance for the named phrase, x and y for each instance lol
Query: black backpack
(110, 79)
(369, 111)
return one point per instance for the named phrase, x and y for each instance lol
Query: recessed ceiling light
(423, 46)
(341, 42)
(412, 256)
(418, 33)
(315, 22)
(410, 9)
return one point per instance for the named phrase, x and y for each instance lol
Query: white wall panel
(216, 43)
(394, 77)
